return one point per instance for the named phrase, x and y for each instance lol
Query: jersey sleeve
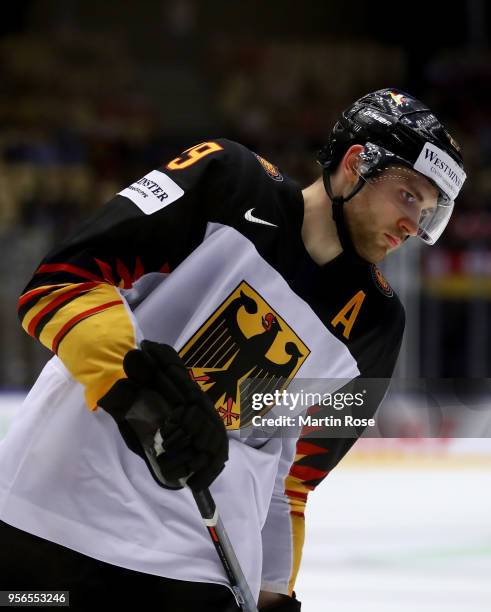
(73, 304)
(314, 456)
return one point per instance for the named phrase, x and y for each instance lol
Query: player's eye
(408, 197)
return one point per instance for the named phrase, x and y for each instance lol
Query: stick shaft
(209, 513)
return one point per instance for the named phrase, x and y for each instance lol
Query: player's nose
(408, 226)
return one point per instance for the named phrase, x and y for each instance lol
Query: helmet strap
(339, 218)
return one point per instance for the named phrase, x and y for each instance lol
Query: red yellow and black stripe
(302, 478)
(83, 319)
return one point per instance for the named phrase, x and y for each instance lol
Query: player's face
(387, 210)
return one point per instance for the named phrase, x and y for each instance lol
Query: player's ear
(351, 161)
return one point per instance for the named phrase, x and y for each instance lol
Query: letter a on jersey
(347, 315)
(244, 341)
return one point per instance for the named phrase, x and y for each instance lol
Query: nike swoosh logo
(249, 217)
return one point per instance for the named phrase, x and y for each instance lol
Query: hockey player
(209, 270)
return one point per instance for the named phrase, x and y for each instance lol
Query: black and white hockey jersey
(205, 254)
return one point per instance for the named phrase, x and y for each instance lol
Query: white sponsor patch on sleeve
(440, 168)
(153, 192)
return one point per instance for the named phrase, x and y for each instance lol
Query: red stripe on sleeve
(56, 302)
(124, 274)
(107, 273)
(45, 268)
(139, 269)
(32, 293)
(307, 448)
(81, 315)
(296, 494)
(305, 472)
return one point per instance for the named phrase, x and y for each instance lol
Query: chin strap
(338, 216)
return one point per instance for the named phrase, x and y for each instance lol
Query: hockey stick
(209, 513)
(153, 444)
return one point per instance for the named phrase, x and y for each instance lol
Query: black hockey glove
(165, 417)
(287, 605)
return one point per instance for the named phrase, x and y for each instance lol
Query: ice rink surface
(383, 539)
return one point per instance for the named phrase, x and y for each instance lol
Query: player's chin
(374, 255)
(379, 259)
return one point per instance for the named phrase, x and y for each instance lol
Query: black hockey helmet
(398, 129)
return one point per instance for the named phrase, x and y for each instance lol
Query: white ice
(398, 540)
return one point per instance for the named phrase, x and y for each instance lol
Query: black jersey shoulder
(236, 186)
(377, 327)
(216, 162)
(357, 305)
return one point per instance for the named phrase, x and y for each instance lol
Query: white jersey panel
(77, 484)
(188, 296)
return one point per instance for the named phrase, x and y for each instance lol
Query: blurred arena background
(93, 95)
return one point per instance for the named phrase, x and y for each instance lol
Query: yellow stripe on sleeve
(91, 335)
(297, 497)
